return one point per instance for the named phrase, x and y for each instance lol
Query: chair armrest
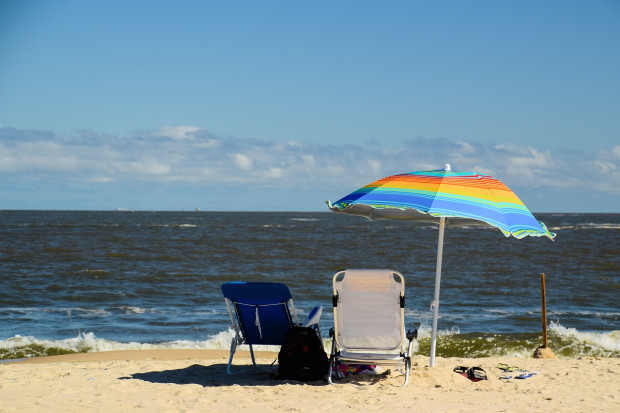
(411, 335)
(314, 317)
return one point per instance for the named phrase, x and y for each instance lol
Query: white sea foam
(600, 226)
(586, 226)
(92, 312)
(607, 342)
(568, 341)
(134, 310)
(88, 342)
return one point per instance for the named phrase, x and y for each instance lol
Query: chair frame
(395, 355)
(286, 301)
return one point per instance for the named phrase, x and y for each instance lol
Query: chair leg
(332, 360)
(233, 348)
(407, 371)
(252, 354)
(330, 370)
(411, 335)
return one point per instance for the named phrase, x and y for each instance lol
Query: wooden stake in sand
(544, 351)
(544, 308)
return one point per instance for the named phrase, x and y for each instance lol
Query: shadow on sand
(215, 375)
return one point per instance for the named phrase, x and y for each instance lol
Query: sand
(196, 381)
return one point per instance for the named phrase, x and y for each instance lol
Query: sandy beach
(196, 381)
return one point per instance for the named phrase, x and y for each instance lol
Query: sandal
(526, 374)
(476, 374)
(505, 367)
(461, 370)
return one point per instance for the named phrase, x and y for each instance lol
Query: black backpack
(302, 356)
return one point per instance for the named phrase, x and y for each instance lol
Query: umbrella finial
(447, 167)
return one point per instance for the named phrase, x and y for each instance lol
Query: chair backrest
(262, 310)
(369, 309)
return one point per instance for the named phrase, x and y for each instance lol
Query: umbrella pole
(435, 304)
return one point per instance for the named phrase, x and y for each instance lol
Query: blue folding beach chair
(262, 313)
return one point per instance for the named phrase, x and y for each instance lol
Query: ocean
(87, 281)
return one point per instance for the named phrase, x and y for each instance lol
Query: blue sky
(280, 105)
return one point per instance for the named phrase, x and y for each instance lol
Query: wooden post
(544, 352)
(544, 309)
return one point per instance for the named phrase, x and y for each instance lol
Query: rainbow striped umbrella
(459, 198)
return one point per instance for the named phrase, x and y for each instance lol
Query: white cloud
(274, 173)
(174, 132)
(375, 167)
(243, 161)
(100, 180)
(308, 160)
(193, 157)
(148, 167)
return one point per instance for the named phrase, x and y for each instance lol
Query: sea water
(84, 281)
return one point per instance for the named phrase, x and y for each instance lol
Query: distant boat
(198, 208)
(125, 210)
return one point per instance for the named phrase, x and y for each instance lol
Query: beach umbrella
(444, 197)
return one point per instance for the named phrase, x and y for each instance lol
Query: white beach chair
(369, 321)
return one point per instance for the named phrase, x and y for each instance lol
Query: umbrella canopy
(443, 196)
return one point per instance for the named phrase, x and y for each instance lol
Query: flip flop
(526, 375)
(462, 370)
(476, 374)
(505, 367)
